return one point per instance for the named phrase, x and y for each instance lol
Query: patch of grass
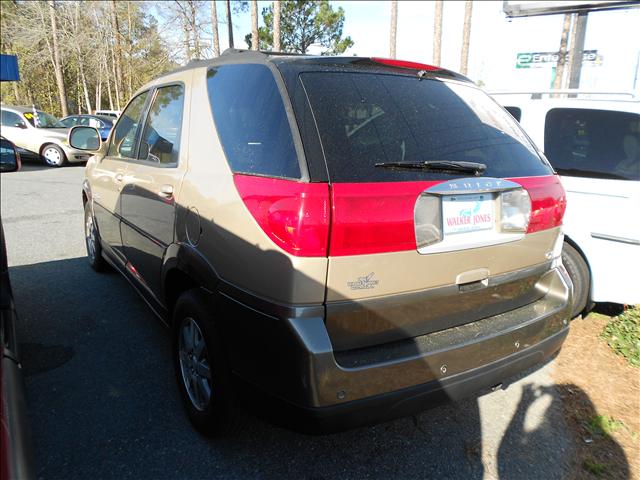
(622, 334)
(594, 467)
(603, 425)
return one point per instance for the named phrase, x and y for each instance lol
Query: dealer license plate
(467, 213)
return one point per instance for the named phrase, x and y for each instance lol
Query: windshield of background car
(44, 120)
(582, 142)
(367, 118)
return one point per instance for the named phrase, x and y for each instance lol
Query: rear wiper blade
(440, 166)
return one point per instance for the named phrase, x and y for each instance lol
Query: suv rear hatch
(442, 210)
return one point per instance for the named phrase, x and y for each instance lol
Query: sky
(495, 41)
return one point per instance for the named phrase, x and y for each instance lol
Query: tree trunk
(229, 24)
(115, 79)
(394, 28)
(437, 34)
(562, 55)
(16, 93)
(193, 24)
(57, 64)
(214, 28)
(118, 53)
(85, 88)
(277, 13)
(109, 90)
(466, 35)
(129, 51)
(98, 103)
(255, 39)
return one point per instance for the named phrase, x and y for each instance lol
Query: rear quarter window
(593, 143)
(251, 120)
(369, 118)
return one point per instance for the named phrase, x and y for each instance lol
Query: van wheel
(579, 273)
(53, 155)
(92, 241)
(201, 366)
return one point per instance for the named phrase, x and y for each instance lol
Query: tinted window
(123, 141)
(364, 119)
(251, 121)
(10, 119)
(515, 112)
(593, 143)
(69, 121)
(161, 137)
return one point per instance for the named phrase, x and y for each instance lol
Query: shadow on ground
(103, 403)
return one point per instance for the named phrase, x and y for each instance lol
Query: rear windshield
(593, 143)
(366, 118)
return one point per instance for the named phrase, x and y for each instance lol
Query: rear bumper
(288, 355)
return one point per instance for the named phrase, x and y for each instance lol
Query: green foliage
(86, 41)
(594, 467)
(603, 425)
(622, 334)
(303, 24)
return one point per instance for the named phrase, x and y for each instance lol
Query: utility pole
(229, 24)
(562, 55)
(577, 49)
(277, 9)
(394, 28)
(466, 36)
(437, 34)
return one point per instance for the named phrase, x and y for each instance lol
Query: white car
(594, 144)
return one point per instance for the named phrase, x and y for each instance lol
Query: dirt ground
(594, 381)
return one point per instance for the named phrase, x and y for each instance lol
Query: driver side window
(123, 142)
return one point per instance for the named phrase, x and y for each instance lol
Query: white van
(593, 142)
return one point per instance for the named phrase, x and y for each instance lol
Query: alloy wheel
(194, 363)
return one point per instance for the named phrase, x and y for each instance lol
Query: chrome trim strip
(612, 238)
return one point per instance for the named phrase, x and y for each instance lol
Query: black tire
(93, 255)
(219, 416)
(53, 155)
(580, 276)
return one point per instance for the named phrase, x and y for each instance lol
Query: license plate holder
(467, 213)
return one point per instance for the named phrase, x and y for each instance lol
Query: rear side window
(593, 143)
(10, 119)
(161, 137)
(364, 119)
(251, 121)
(123, 141)
(515, 112)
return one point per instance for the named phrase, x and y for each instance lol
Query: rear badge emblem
(363, 283)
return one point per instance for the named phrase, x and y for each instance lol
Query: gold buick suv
(342, 240)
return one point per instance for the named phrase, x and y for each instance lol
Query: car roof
(236, 56)
(20, 108)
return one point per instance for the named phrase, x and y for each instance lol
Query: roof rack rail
(537, 94)
(233, 51)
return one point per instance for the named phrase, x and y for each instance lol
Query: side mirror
(20, 125)
(85, 138)
(9, 156)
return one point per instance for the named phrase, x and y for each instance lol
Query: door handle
(166, 191)
(119, 177)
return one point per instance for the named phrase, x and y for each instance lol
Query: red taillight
(404, 64)
(548, 201)
(294, 215)
(373, 217)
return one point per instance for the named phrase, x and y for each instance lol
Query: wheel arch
(184, 268)
(576, 246)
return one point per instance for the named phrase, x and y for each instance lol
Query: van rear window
(367, 118)
(581, 142)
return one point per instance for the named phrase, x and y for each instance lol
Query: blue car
(103, 123)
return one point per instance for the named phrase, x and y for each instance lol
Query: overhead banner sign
(514, 9)
(544, 59)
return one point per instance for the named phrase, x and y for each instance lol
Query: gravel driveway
(103, 402)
